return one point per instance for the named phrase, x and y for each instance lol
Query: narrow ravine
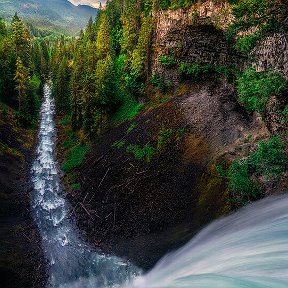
(69, 258)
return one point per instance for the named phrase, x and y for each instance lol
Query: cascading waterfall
(69, 258)
(246, 249)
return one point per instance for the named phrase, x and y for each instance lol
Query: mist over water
(246, 249)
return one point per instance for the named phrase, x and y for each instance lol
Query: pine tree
(22, 82)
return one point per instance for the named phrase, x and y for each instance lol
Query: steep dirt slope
(21, 259)
(141, 204)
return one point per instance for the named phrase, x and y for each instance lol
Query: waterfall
(246, 249)
(69, 258)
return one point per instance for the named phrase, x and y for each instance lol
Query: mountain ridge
(56, 15)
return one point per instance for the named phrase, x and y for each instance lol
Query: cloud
(94, 3)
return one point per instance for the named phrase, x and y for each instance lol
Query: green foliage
(259, 16)
(66, 120)
(268, 161)
(197, 71)
(128, 110)
(119, 144)
(131, 127)
(76, 186)
(221, 171)
(75, 157)
(255, 88)
(71, 140)
(175, 4)
(284, 115)
(144, 153)
(159, 82)
(167, 60)
(164, 136)
(242, 187)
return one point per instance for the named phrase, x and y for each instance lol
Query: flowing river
(247, 249)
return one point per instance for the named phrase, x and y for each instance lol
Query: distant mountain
(59, 15)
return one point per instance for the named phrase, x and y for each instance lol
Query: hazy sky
(94, 3)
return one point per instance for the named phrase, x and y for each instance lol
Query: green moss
(119, 144)
(142, 153)
(128, 110)
(75, 157)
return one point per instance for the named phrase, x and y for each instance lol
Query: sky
(94, 3)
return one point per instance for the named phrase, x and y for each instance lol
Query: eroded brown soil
(21, 259)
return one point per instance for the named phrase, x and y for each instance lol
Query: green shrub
(197, 71)
(164, 137)
(255, 88)
(131, 127)
(167, 60)
(119, 144)
(66, 120)
(194, 71)
(269, 160)
(139, 153)
(242, 187)
(71, 140)
(284, 115)
(76, 186)
(160, 83)
(75, 157)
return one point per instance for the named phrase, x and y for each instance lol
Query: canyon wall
(194, 36)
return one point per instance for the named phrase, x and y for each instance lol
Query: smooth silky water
(247, 249)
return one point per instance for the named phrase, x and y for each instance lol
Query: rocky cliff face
(194, 36)
(272, 53)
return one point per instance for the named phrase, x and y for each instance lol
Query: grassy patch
(75, 157)
(142, 153)
(128, 110)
